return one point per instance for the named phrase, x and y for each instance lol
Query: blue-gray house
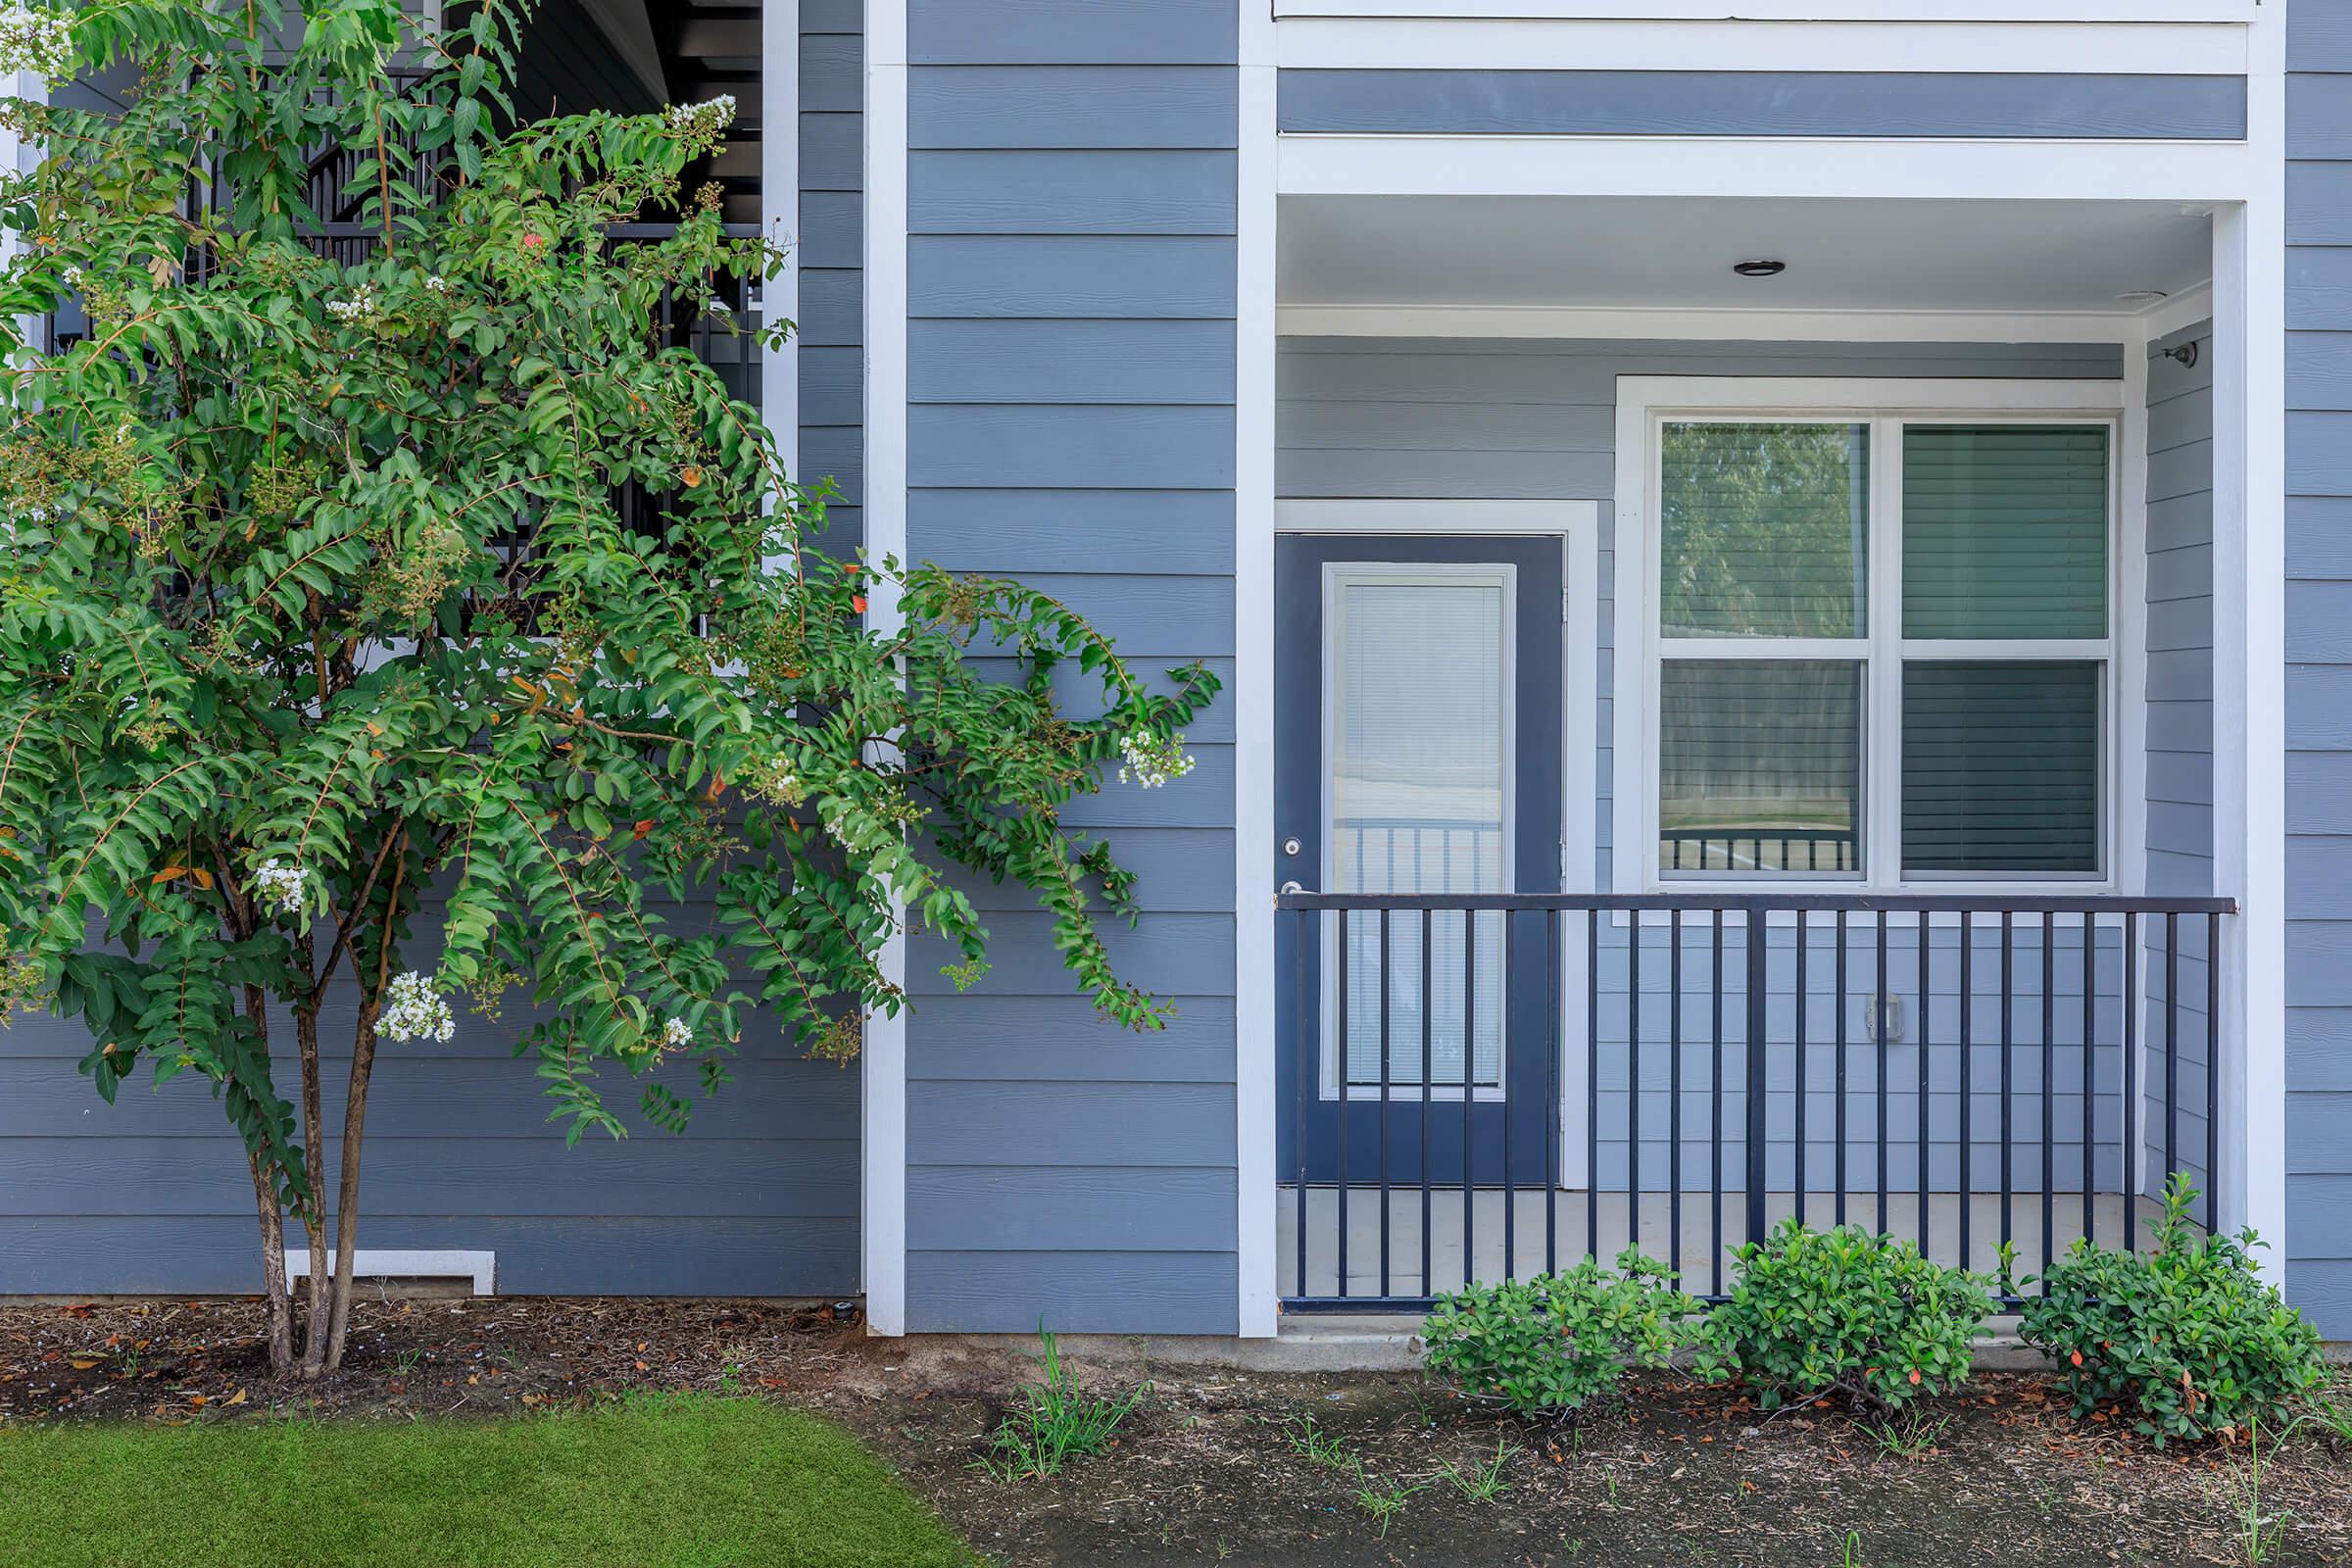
(1783, 571)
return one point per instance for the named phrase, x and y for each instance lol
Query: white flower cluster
(676, 1033)
(710, 115)
(280, 885)
(438, 285)
(39, 41)
(1150, 760)
(358, 308)
(414, 1010)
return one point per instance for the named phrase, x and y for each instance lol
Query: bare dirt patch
(1223, 1466)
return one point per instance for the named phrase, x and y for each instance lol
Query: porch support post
(2249, 659)
(1252, 693)
(884, 1051)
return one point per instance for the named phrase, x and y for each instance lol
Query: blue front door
(1418, 716)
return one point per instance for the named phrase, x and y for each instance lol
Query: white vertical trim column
(2128, 835)
(780, 218)
(2249, 655)
(1252, 694)
(884, 1127)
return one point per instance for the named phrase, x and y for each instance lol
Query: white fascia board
(1423, 43)
(1767, 167)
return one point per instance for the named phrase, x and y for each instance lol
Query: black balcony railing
(1532, 1079)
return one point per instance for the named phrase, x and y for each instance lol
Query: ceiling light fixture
(1759, 269)
(2139, 298)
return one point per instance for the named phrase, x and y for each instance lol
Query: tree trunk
(347, 1184)
(273, 1271)
(313, 1157)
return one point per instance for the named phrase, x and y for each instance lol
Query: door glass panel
(1418, 701)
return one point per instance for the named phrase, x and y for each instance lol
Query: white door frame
(1577, 525)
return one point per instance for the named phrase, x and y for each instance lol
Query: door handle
(1289, 888)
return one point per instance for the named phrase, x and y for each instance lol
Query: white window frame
(1647, 402)
(1338, 575)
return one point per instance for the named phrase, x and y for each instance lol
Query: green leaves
(420, 594)
(2184, 1338)
(1551, 1344)
(1847, 1312)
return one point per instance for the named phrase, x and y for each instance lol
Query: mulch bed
(1222, 1466)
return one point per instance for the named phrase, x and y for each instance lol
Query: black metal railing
(1758, 848)
(1681, 1072)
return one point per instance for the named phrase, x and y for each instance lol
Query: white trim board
(780, 214)
(1858, 167)
(883, 1128)
(480, 1268)
(1553, 43)
(1638, 648)
(1252, 691)
(1732, 324)
(1576, 523)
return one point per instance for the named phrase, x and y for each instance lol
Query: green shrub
(1549, 1344)
(2186, 1338)
(1846, 1312)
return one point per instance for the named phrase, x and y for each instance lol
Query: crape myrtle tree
(336, 683)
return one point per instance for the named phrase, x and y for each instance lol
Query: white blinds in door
(1418, 692)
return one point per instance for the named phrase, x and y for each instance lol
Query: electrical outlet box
(1881, 1018)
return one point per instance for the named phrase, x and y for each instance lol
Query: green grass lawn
(674, 1481)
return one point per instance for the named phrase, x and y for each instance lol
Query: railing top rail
(2020, 903)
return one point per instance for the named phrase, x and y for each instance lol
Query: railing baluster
(1307, 930)
(1469, 1090)
(2049, 1088)
(1386, 974)
(2090, 1082)
(1925, 1011)
(1429, 1088)
(1502, 1070)
(1758, 1123)
(1968, 1086)
(1801, 1084)
(1878, 1073)
(1839, 1025)
(1592, 1083)
(1633, 1081)
(2213, 1073)
(1715, 1096)
(1674, 1090)
(2127, 1178)
(2172, 1046)
(2008, 1061)
(1346, 1074)
(1551, 1088)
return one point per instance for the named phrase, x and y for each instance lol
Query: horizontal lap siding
(2319, 662)
(1070, 381)
(2180, 695)
(758, 1196)
(1781, 103)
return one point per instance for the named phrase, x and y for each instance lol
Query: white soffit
(1629, 252)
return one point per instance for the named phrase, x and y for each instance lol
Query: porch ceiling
(1644, 252)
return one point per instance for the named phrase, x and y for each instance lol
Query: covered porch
(1704, 619)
